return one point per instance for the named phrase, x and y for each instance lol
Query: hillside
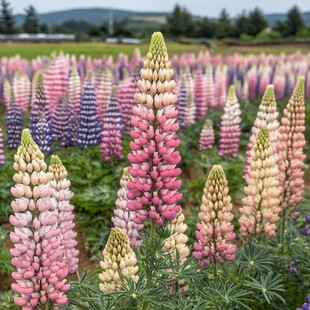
(99, 15)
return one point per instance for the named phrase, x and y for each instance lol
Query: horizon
(238, 6)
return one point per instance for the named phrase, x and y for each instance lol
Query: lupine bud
(206, 139)
(230, 126)
(62, 194)
(124, 218)
(176, 243)
(215, 232)
(260, 210)
(153, 191)
(291, 141)
(14, 122)
(2, 157)
(37, 253)
(89, 128)
(267, 116)
(119, 262)
(112, 137)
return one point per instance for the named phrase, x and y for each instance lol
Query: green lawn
(31, 50)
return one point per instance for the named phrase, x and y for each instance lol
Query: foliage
(31, 22)
(7, 23)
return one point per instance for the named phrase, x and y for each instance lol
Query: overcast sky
(210, 8)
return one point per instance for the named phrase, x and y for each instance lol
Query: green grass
(96, 50)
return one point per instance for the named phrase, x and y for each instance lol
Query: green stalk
(153, 229)
(283, 226)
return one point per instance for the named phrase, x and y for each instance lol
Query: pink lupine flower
(230, 126)
(119, 260)
(261, 206)
(190, 110)
(252, 82)
(62, 194)
(7, 91)
(307, 90)
(200, 94)
(291, 141)
(74, 92)
(279, 85)
(264, 81)
(210, 88)
(215, 232)
(220, 86)
(267, 115)
(153, 191)
(2, 156)
(206, 140)
(123, 217)
(37, 252)
(103, 94)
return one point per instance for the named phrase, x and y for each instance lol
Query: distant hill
(99, 15)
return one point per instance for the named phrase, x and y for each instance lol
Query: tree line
(180, 23)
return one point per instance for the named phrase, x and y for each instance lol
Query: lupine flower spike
(2, 157)
(215, 232)
(306, 305)
(123, 217)
(290, 149)
(153, 191)
(119, 261)
(37, 255)
(206, 139)
(230, 126)
(63, 195)
(260, 210)
(176, 243)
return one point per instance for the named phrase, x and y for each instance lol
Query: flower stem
(283, 226)
(153, 229)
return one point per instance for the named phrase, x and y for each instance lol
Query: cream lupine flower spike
(176, 243)
(119, 260)
(261, 208)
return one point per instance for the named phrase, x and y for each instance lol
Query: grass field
(31, 50)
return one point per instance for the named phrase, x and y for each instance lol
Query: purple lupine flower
(153, 190)
(306, 230)
(123, 217)
(14, 122)
(40, 122)
(200, 94)
(111, 139)
(182, 99)
(2, 156)
(62, 122)
(37, 252)
(230, 126)
(306, 305)
(215, 232)
(89, 128)
(62, 194)
(206, 139)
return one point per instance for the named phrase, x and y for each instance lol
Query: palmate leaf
(267, 286)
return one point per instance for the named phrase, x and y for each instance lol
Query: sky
(209, 8)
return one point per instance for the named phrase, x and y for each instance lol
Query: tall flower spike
(176, 243)
(119, 260)
(230, 126)
(112, 137)
(261, 208)
(182, 103)
(206, 139)
(215, 232)
(123, 217)
(63, 195)
(37, 255)
(290, 148)
(2, 157)
(14, 123)
(267, 115)
(153, 191)
(200, 94)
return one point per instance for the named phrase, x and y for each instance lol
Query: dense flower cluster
(260, 210)
(306, 305)
(206, 139)
(153, 191)
(37, 255)
(119, 261)
(267, 116)
(123, 217)
(230, 125)
(215, 231)
(2, 156)
(200, 95)
(14, 122)
(306, 230)
(62, 194)
(291, 141)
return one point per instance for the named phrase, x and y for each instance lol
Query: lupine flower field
(155, 182)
